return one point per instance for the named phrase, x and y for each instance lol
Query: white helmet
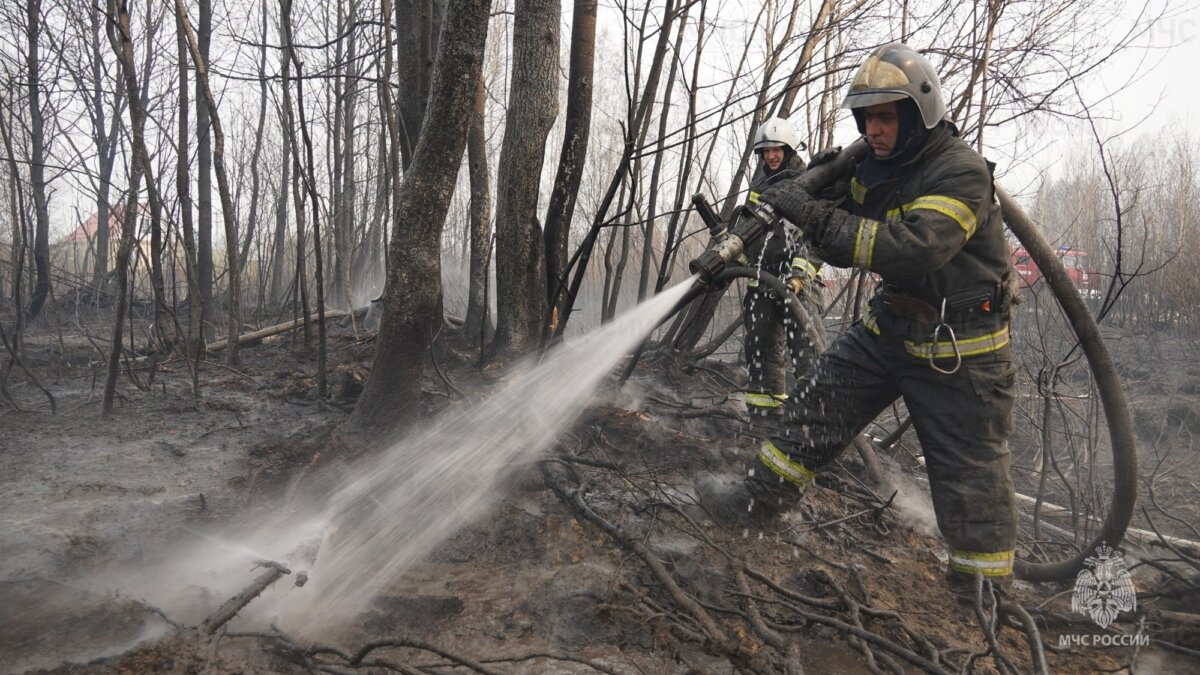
(777, 132)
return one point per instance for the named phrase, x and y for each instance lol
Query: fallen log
(1135, 533)
(235, 604)
(274, 330)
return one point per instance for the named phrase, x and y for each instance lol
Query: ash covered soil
(595, 560)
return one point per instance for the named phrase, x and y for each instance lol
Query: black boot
(749, 503)
(964, 587)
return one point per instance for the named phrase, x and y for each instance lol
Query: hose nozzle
(710, 263)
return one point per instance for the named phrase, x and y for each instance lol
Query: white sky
(1168, 92)
(1150, 88)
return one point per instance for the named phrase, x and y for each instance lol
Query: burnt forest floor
(596, 560)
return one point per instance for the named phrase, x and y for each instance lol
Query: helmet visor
(870, 97)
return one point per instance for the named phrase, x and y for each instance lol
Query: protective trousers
(963, 421)
(766, 352)
(770, 337)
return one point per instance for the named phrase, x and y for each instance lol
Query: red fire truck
(1086, 279)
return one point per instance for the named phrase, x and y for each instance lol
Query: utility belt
(968, 322)
(979, 304)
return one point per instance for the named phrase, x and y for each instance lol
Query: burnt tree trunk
(650, 231)
(255, 181)
(670, 246)
(164, 320)
(391, 118)
(183, 182)
(344, 226)
(574, 153)
(533, 105)
(637, 122)
(480, 223)
(412, 300)
(308, 173)
(104, 135)
(37, 160)
(414, 55)
(233, 315)
(204, 180)
(122, 44)
(818, 31)
(16, 205)
(699, 314)
(279, 257)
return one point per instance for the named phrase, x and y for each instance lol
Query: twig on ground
(15, 357)
(875, 639)
(677, 594)
(357, 658)
(553, 656)
(1191, 562)
(437, 367)
(1037, 654)
(756, 621)
(988, 626)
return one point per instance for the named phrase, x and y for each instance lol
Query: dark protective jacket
(776, 254)
(933, 232)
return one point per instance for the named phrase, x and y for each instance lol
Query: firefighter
(922, 214)
(766, 320)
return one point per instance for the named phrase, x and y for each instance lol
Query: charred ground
(596, 560)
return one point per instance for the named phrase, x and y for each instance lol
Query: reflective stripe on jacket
(931, 229)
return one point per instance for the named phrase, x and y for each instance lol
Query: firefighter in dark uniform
(768, 324)
(922, 214)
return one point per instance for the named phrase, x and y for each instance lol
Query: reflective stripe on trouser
(757, 399)
(962, 420)
(784, 467)
(998, 564)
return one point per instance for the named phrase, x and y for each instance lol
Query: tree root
(311, 656)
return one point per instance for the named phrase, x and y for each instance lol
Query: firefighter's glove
(796, 285)
(788, 200)
(822, 156)
(836, 191)
(834, 233)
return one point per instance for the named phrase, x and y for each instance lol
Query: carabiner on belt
(933, 350)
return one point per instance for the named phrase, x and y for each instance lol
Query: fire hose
(714, 269)
(1112, 396)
